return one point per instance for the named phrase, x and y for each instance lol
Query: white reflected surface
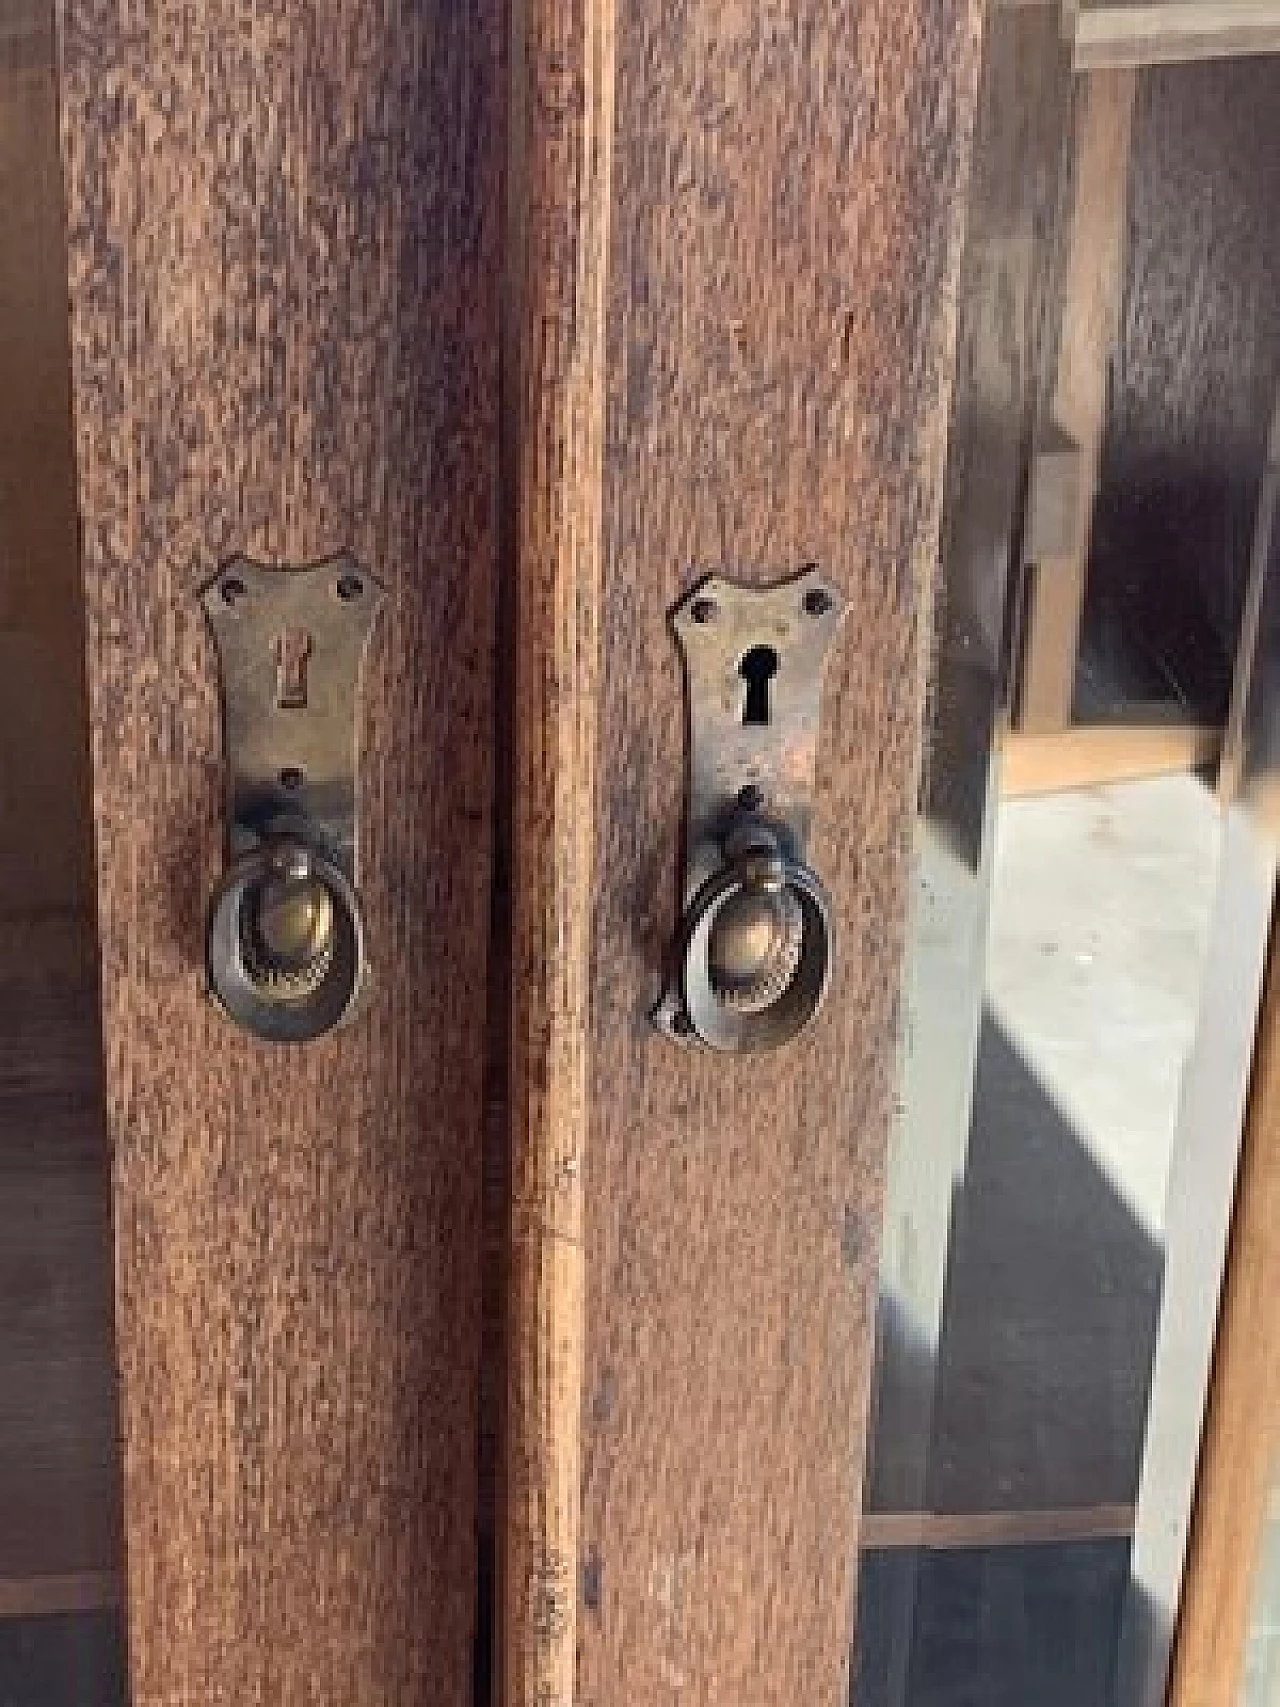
(1262, 1656)
(1099, 921)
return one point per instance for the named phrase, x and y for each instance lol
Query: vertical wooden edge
(1093, 277)
(561, 137)
(1242, 1429)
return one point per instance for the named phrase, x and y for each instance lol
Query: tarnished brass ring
(296, 1008)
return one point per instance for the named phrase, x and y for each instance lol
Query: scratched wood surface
(284, 236)
(785, 229)
(559, 211)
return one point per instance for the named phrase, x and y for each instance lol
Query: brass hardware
(285, 947)
(752, 960)
(288, 924)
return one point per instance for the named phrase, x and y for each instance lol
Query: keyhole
(757, 669)
(292, 650)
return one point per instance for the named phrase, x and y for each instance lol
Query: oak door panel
(284, 228)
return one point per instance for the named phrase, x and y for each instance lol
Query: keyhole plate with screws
(285, 949)
(753, 957)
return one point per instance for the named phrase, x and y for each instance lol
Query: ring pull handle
(285, 943)
(753, 955)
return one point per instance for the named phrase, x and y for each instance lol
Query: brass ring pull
(754, 960)
(286, 944)
(753, 955)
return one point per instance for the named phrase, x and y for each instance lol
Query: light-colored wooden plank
(1118, 34)
(1089, 756)
(285, 239)
(559, 192)
(1242, 1431)
(1092, 283)
(942, 1532)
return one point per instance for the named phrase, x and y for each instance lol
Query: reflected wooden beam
(39, 1597)
(1111, 37)
(1064, 475)
(1088, 757)
(941, 1532)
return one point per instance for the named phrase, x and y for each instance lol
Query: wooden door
(728, 242)
(284, 230)
(737, 256)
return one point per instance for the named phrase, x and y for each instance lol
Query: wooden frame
(1065, 468)
(1242, 1431)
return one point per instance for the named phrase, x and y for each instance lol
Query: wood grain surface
(558, 245)
(284, 228)
(785, 228)
(1242, 1431)
(1193, 383)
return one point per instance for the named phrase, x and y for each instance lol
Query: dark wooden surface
(284, 228)
(59, 1466)
(1192, 387)
(785, 238)
(59, 1460)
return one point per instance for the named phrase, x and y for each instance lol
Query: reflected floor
(1100, 911)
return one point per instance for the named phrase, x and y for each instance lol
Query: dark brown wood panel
(284, 228)
(45, 862)
(1192, 387)
(59, 1461)
(785, 228)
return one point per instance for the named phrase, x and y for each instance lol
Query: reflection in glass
(1262, 1651)
(1091, 909)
